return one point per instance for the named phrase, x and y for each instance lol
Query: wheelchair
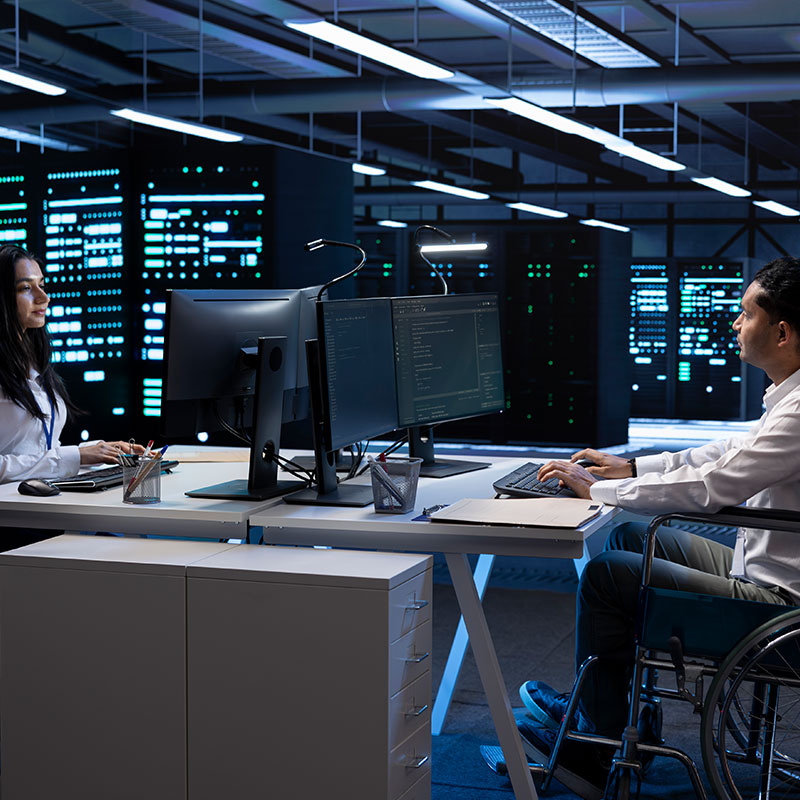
(750, 653)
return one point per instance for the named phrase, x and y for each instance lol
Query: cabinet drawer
(410, 761)
(409, 657)
(410, 604)
(409, 709)
(421, 790)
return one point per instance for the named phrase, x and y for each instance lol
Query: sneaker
(582, 767)
(544, 704)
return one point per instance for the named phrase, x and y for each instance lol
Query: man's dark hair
(23, 350)
(780, 290)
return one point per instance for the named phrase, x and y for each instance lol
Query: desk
(363, 528)
(175, 515)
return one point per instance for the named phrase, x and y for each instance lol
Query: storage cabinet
(310, 674)
(172, 669)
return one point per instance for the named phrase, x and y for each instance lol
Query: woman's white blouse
(23, 443)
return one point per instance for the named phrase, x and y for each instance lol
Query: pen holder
(142, 483)
(394, 484)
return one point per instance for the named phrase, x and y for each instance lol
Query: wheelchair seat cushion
(707, 626)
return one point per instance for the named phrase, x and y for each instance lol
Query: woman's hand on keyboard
(605, 465)
(577, 478)
(106, 452)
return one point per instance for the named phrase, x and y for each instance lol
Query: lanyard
(48, 434)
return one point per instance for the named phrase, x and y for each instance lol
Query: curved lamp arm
(422, 255)
(318, 243)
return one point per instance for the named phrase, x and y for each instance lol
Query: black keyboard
(522, 482)
(98, 479)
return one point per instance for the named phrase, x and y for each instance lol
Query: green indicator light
(530, 274)
(527, 416)
(549, 363)
(186, 169)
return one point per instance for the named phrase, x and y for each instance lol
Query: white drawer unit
(309, 675)
(93, 663)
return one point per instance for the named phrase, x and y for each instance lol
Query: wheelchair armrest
(778, 519)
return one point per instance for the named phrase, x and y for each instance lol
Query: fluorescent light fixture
(545, 212)
(365, 169)
(626, 148)
(7, 76)
(435, 186)
(599, 223)
(178, 125)
(34, 138)
(723, 186)
(368, 48)
(777, 208)
(544, 117)
(566, 125)
(475, 247)
(392, 223)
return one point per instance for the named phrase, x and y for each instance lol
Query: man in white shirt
(761, 468)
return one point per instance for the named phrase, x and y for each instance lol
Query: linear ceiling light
(545, 212)
(365, 169)
(369, 48)
(35, 138)
(179, 125)
(535, 113)
(474, 247)
(552, 19)
(392, 223)
(723, 186)
(7, 76)
(599, 223)
(777, 208)
(435, 186)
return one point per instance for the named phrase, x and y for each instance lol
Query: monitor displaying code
(448, 357)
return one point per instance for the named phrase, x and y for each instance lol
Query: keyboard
(98, 479)
(522, 482)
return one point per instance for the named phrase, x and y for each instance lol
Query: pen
(383, 478)
(144, 470)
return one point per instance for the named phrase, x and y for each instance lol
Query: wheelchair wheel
(750, 732)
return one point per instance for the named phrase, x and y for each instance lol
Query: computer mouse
(38, 488)
(586, 463)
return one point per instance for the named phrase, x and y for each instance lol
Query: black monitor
(401, 362)
(355, 395)
(449, 366)
(235, 361)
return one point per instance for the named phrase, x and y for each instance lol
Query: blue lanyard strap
(48, 434)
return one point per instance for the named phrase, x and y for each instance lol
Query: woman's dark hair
(780, 290)
(21, 350)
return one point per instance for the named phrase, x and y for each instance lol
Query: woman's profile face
(32, 301)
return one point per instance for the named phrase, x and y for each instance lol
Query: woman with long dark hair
(34, 404)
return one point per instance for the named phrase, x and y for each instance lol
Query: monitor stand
(309, 463)
(420, 445)
(328, 491)
(262, 482)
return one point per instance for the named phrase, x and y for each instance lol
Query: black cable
(293, 469)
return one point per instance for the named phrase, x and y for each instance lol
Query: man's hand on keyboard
(577, 478)
(606, 465)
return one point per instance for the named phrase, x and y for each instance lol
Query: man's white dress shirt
(23, 440)
(761, 468)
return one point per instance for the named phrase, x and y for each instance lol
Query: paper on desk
(210, 454)
(551, 512)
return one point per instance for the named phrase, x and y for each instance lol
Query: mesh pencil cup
(142, 483)
(394, 484)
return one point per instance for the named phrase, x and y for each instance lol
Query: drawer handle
(415, 659)
(416, 711)
(417, 761)
(417, 605)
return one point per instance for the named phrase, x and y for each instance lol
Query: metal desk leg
(444, 694)
(491, 677)
(580, 563)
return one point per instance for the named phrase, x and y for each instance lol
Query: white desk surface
(363, 528)
(175, 515)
